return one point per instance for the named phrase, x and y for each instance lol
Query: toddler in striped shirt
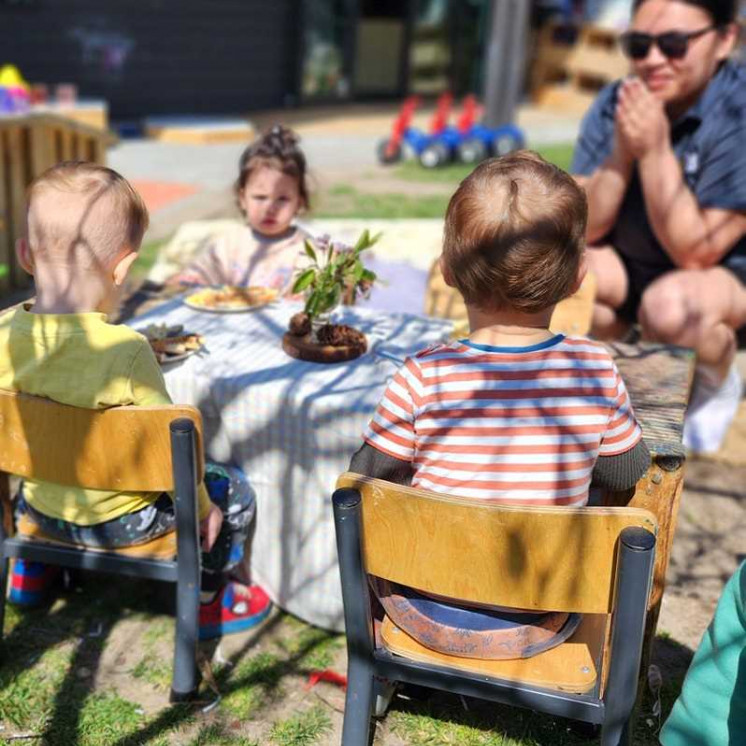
(513, 413)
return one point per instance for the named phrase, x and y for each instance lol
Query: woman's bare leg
(611, 292)
(700, 309)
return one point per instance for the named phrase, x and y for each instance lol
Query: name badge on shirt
(691, 163)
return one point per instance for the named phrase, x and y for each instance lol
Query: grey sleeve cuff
(621, 472)
(371, 462)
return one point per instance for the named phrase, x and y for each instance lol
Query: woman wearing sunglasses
(662, 156)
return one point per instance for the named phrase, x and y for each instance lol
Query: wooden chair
(571, 316)
(594, 561)
(149, 449)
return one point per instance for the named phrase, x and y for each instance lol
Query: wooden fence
(28, 146)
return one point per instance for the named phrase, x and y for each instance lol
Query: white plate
(227, 308)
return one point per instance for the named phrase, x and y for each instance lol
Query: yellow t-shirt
(83, 361)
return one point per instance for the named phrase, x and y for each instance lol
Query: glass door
(328, 45)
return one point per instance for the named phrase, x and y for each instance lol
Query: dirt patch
(707, 547)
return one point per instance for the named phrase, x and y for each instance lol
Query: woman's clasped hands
(642, 126)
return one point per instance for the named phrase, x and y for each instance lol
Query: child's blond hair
(84, 214)
(514, 234)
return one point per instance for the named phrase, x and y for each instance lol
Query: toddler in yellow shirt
(85, 227)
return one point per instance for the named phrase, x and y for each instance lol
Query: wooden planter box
(572, 65)
(29, 145)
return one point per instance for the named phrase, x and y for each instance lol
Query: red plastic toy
(390, 150)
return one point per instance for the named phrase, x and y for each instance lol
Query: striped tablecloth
(292, 427)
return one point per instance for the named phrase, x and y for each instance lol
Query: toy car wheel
(434, 155)
(505, 143)
(471, 151)
(388, 152)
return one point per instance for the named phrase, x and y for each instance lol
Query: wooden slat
(659, 491)
(659, 379)
(28, 146)
(97, 151)
(7, 236)
(18, 180)
(124, 448)
(77, 147)
(532, 558)
(162, 547)
(571, 667)
(42, 153)
(66, 145)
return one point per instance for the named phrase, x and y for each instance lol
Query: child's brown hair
(276, 148)
(83, 212)
(514, 234)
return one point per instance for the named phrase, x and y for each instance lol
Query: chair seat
(161, 548)
(572, 667)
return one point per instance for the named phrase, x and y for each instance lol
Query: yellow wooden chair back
(123, 448)
(528, 558)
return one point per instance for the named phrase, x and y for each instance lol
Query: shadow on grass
(422, 716)
(48, 697)
(82, 618)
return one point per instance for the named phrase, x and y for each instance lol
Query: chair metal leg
(186, 675)
(358, 704)
(4, 561)
(384, 691)
(358, 619)
(636, 555)
(4, 567)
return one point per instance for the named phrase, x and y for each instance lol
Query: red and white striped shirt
(513, 424)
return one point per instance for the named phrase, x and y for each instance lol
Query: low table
(292, 426)
(659, 379)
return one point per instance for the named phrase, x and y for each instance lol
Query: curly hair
(276, 148)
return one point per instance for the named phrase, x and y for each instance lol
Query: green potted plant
(336, 274)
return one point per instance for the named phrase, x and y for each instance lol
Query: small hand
(642, 124)
(209, 527)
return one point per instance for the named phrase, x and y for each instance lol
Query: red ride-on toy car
(428, 147)
(390, 149)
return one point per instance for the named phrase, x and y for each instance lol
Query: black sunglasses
(673, 44)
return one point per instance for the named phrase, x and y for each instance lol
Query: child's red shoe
(236, 608)
(31, 582)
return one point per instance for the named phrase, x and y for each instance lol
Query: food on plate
(230, 298)
(168, 342)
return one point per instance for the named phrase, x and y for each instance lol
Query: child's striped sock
(30, 582)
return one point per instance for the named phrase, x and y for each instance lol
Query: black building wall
(149, 57)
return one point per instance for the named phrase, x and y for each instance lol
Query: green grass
(146, 258)
(351, 203)
(302, 729)
(559, 154)
(345, 201)
(216, 734)
(251, 684)
(45, 691)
